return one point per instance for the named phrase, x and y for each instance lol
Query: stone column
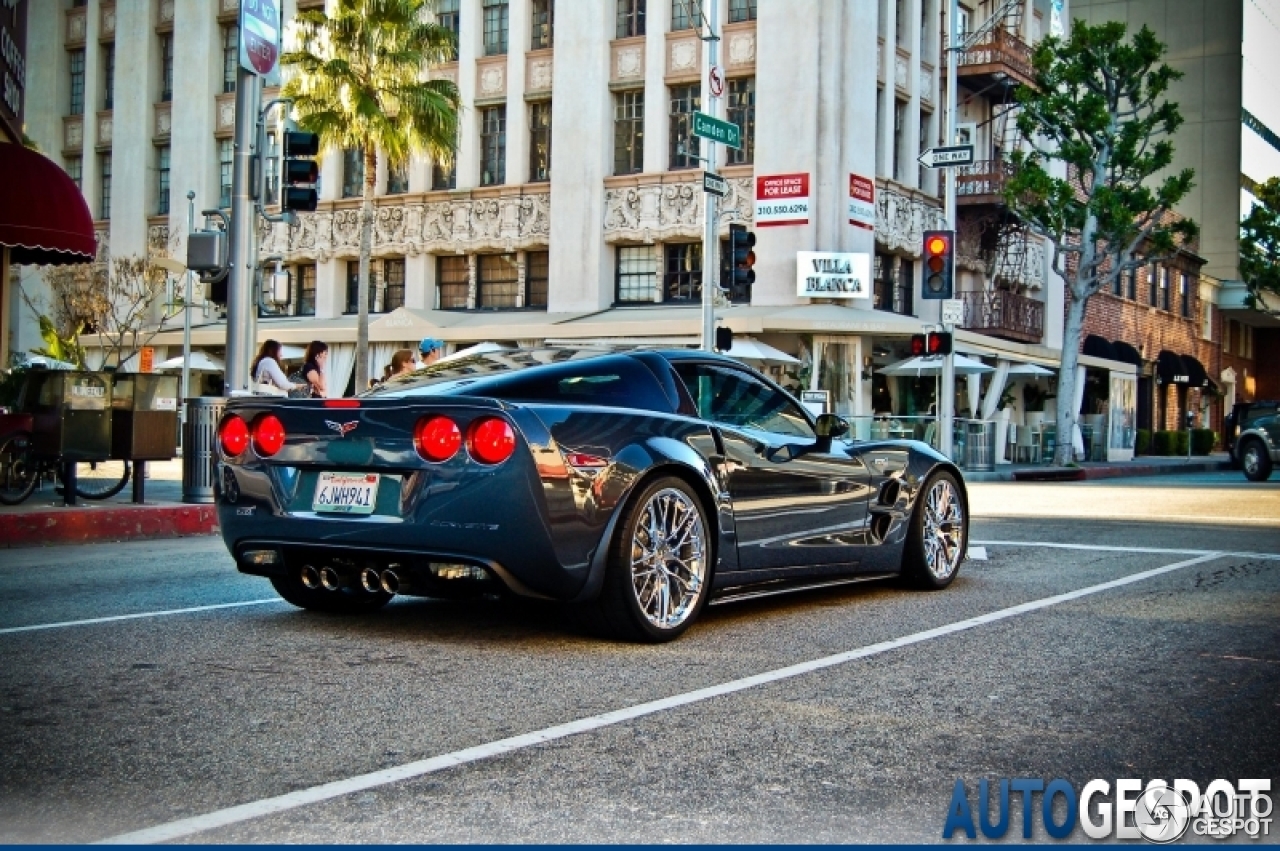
(887, 95)
(581, 277)
(193, 152)
(517, 110)
(331, 288)
(470, 45)
(90, 181)
(420, 281)
(911, 137)
(656, 106)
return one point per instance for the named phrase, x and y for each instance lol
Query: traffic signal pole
(243, 256)
(711, 203)
(947, 404)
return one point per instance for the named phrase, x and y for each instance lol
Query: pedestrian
(313, 368)
(267, 374)
(431, 350)
(403, 362)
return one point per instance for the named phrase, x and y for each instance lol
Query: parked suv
(1253, 438)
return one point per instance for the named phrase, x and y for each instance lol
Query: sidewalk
(43, 520)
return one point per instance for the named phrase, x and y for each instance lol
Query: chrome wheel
(1252, 460)
(943, 529)
(668, 558)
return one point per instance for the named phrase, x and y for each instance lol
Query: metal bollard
(200, 448)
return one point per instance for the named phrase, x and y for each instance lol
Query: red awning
(43, 216)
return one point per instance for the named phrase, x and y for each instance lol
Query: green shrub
(1142, 442)
(1202, 441)
(1181, 440)
(1163, 443)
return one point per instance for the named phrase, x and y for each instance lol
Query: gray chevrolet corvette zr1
(635, 485)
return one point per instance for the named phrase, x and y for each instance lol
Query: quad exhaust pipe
(386, 581)
(310, 577)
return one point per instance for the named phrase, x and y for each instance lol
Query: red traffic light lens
(936, 245)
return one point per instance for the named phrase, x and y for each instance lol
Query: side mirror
(830, 425)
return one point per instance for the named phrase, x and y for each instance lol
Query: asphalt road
(149, 687)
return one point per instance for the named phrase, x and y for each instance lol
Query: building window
(899, 127)
(683, 15)
(536, 278)
(630, 18)
(894, 284)
(543, 23)
(448, 17)
(495, 27)
(1164, 288)
(1132, 284)
(166, 67)
(742, 10)
(540, 141)
(226, 161)
(685, 101)
(637, 274)
(742, 112)
(493, 146)
(1184, 294)
(393, 283)
(682, 275)
(903, 30)
(271, 169)
(108, 76)
(352, 173)
(162, 180)
(104, 186)
(378, 290)
(75, 171)
(306, 300)
(453, 279)
(76, 105)
(498, 281)
(1117, 286)
(628, 132)
(398, 177)
(230, 57)
(444, 175)
(1153, 287)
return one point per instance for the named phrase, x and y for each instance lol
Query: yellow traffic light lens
(937, 245)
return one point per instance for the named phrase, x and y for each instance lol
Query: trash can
(979, 445)
(70, 414)
(144, 417)
(200, 448)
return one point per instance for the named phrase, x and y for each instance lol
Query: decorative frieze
(412, 227)
(164, 120)
(926, 83)
(902, 217)
(73, 134)
(538, 71)
(740, 46)
(228, 7)
(157, 241)
(164, 14)
(225, 114)
(901, 69)
(105, 126)
(658, 212)
(102, 235)
(445, 72)
(107, 22)
(683, 55)
(627, 60)
(491, 78)
(77, 26)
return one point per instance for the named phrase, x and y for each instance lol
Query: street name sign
(947, 157)
(259, 35)
(714, 184)
(724, 132)
(952, 311)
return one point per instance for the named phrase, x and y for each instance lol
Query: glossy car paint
(541, 521)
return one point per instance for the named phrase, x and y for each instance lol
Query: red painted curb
(91, 524)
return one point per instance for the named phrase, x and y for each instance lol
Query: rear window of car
(1257, 412)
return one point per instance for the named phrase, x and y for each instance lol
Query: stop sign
(259, 35)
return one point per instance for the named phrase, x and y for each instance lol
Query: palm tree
(359, 82)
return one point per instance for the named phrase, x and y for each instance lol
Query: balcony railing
(983, 182)
(1000, 313)
(999, 53)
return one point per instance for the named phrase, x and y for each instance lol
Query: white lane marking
(1201, 519)
(159, 614)
(408, 771)
(1119, 549)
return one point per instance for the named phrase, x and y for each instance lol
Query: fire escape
(992, 63)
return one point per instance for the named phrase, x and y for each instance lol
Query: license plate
(346, 493)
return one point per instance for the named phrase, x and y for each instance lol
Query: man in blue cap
(431, 349)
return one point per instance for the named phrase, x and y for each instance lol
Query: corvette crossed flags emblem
(342, 428)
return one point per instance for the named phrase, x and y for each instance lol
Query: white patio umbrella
(748, 349)
(477, 349)
(200, 362)
(1029, 369)
(932, 365)
(47, 363)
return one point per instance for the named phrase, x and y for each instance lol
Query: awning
(43, 217)
(1195, 371)
(1125, 352)
(1098, 347)
(1172, 368)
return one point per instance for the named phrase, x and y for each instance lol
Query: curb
(84, 525)
(1076, 474)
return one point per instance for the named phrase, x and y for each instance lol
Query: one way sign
(952, 155)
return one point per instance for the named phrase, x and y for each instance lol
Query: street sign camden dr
(724, 132)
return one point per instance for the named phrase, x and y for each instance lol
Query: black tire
(19, 471)
(942, 516)
(642, 570)
(344, 601)
(1255, 460)
(98, 479)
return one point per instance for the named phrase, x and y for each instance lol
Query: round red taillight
(233, 434)
(437, 438)
(268, 435)
(491, 440)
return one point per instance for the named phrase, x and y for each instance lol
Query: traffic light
(298, 171)
(939, 264)
(724, 339)
(742, 261)
(930, 344)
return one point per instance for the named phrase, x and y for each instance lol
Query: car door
(795, 508)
